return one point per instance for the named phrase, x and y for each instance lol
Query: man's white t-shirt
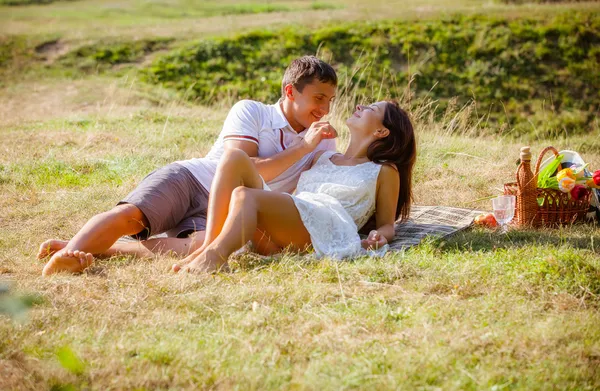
(266, 126)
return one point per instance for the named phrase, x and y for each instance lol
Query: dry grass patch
(292, 324)
(83, 20)
(65, 99)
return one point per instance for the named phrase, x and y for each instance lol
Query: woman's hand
(374, 241)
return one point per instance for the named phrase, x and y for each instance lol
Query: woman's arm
(388, 189)
(315, 158)
(312, 163)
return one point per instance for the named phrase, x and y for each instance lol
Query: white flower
(566, 184)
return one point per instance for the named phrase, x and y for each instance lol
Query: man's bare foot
(207, 262)
(49, 247)
(73, 261)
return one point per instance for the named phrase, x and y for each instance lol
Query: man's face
(313, 103)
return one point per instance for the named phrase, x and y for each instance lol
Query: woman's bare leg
(235, 170)
(263, 245)
(273, 213)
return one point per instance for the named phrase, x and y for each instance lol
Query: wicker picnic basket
(551, 207)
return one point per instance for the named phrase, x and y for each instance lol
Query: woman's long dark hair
(398, 148)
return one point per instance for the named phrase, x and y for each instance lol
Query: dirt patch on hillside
(51, 50)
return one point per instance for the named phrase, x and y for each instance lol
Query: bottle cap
(525, 153)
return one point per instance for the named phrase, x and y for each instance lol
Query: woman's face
(368, 118)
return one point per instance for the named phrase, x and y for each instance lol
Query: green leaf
(546, 177)
(69, 360)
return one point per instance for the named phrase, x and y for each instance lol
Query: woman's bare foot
(51, 246)
(73, 261)
(207, 262)
(179, 265)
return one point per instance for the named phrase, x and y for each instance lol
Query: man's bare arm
(270, 167)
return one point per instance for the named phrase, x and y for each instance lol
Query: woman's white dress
(334, 202)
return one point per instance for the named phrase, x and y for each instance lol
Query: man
(281, 138)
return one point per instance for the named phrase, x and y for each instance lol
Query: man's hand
(318, 131)
(374, 241)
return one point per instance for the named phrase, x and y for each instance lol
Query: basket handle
(540, 157)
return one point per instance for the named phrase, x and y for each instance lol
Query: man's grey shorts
(172, 200)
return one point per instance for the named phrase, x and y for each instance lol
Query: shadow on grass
(476, 239)
(101, 266)
(253, 262)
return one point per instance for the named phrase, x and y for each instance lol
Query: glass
(504, 210)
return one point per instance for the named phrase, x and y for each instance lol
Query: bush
(107, 54)
(16, 53)
(507, 66)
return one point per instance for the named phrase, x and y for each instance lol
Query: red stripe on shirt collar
(281, 139)
(241, 136)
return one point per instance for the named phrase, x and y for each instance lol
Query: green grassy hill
(523, 76)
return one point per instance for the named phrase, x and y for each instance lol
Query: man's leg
(273, 213)
(235, 170)
(180, 247)
(97, 236)
(157, 204)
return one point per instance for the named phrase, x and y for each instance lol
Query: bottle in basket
(527, 193)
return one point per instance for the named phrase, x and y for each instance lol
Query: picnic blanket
(432, 221)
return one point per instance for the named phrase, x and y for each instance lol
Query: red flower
(596, 178)
(579, 192)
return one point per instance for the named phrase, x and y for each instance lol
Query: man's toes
(49, 247)
(44, 250)
(73, 261)
(175, 268)
(61, 262)
(87, 259)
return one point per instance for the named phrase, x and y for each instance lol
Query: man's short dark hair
(304, 70)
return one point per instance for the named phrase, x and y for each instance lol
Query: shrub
(113, 53)
(507, 66)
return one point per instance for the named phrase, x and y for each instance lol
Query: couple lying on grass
(263, 153)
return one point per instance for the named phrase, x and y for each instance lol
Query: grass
(86, 20)
(476, 311)
(493, 318)
(64, 18)
(517, 312)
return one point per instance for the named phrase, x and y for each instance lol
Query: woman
(333, 199)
